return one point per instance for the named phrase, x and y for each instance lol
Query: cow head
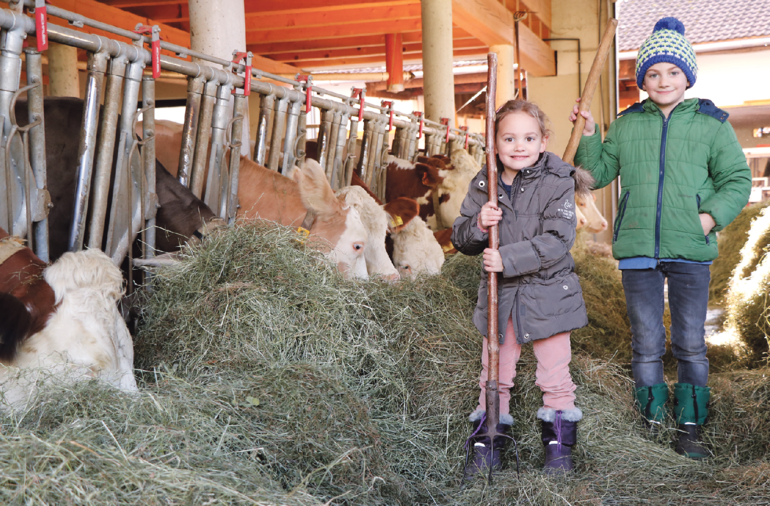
(588, 213)
(454, 185)
(416, 250)
(376, 220)
(339, 226)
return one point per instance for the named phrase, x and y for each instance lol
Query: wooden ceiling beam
(330, 32)
(261, 21)
(127, 4)
(369, 61)
(302, 6)
(378, 50)
(270, 48)
(540, 8)
(537, 57)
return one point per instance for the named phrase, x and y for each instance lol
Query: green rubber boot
(691, 412)
(651, 402)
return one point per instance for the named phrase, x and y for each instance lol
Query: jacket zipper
(620, 216)
(697, 200)
(662, 176)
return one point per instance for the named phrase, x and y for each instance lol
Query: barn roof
(704, 20)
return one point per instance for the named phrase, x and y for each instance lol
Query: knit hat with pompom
(667, 44)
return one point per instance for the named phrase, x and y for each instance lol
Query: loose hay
(268, 379)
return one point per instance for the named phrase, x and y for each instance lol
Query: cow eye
(358, 246)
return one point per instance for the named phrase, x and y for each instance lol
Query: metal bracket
(308, 80)
(389, 105)
(445, 121)
(238, 57)
(359, 93)
(465, 129)
(422, 123)
(154, 33)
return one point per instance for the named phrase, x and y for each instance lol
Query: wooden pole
(588, 92)
(493, 342)
(394, 62)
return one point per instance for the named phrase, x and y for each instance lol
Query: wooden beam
(541, 9)
(380, 61)
(487, 20)
(537, 57)
(260, 21)
(341, 42)
(116, 17)
(418, 83)
(329, 32)
(124, 4)
(361, 52)
(301, 6)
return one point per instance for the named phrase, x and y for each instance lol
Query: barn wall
(556, 95)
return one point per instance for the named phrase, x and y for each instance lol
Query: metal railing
(212, 126)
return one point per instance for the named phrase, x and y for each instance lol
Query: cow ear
(314, 190)
(444, 238)
(401, 210)
(431, 177)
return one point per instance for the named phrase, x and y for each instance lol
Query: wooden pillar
(219, 28)
(63, 71)
(437, 59)
(394, 62)
(506, 74)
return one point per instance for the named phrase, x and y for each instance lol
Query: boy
(683, 177)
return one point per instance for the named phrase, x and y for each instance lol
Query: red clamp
(154, 33)
(41, 25)
(238, 57)
(465, 129)
(389, 105)
(308, 80)
(445, 121)
(422, 122)
(360, 94)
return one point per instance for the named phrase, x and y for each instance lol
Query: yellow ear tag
(304, 234)
(447, 247)
(396, 221)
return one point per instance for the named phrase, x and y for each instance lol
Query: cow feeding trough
(116, 197)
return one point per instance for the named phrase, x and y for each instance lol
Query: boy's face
(665, 83)
(519, 141)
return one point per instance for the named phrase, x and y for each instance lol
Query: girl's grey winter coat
(538, 288)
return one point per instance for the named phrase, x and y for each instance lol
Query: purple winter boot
(485, 455)
(559, 436)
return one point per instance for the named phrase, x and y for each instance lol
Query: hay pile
(268, 379)
(747, 295)
(731, 241)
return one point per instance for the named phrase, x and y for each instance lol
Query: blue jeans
(688, 293)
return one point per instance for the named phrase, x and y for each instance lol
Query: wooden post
(506, 78)
(394, 62)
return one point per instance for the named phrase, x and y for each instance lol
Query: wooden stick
(588, 93)
(493, 343)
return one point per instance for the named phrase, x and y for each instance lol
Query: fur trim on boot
(559, 436)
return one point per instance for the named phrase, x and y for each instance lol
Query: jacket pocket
(697, 203)
(621, 213)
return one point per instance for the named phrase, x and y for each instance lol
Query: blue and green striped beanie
(667, 44)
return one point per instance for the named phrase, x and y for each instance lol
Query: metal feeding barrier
(116, 169)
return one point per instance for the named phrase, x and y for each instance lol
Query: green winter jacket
(670, 171)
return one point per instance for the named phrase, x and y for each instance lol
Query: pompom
(669, 24)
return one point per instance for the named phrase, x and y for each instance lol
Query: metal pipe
(376, 155)
(190, 129)
(279, 127)
(215, 182)
(10, 73)
(204, 134)
(366, 143)
(337, 180)
(118, 240)
(240, 105)
(332, 143)
(323, 137)
(350, 160)
(289, 157)
(37, 153)
(105, 153)
(97, 65)
(301, 142)
(266, 106)
(148, 154)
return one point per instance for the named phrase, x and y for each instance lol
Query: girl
(540, 300)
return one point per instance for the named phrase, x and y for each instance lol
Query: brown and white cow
(60, 321)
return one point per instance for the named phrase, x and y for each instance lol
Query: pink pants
(552, 375)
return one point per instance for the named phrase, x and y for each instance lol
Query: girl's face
(519, 141)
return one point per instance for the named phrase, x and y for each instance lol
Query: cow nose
(393, 277)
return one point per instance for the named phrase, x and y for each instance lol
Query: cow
(306, 200)
(60, 321)
(588, 214)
